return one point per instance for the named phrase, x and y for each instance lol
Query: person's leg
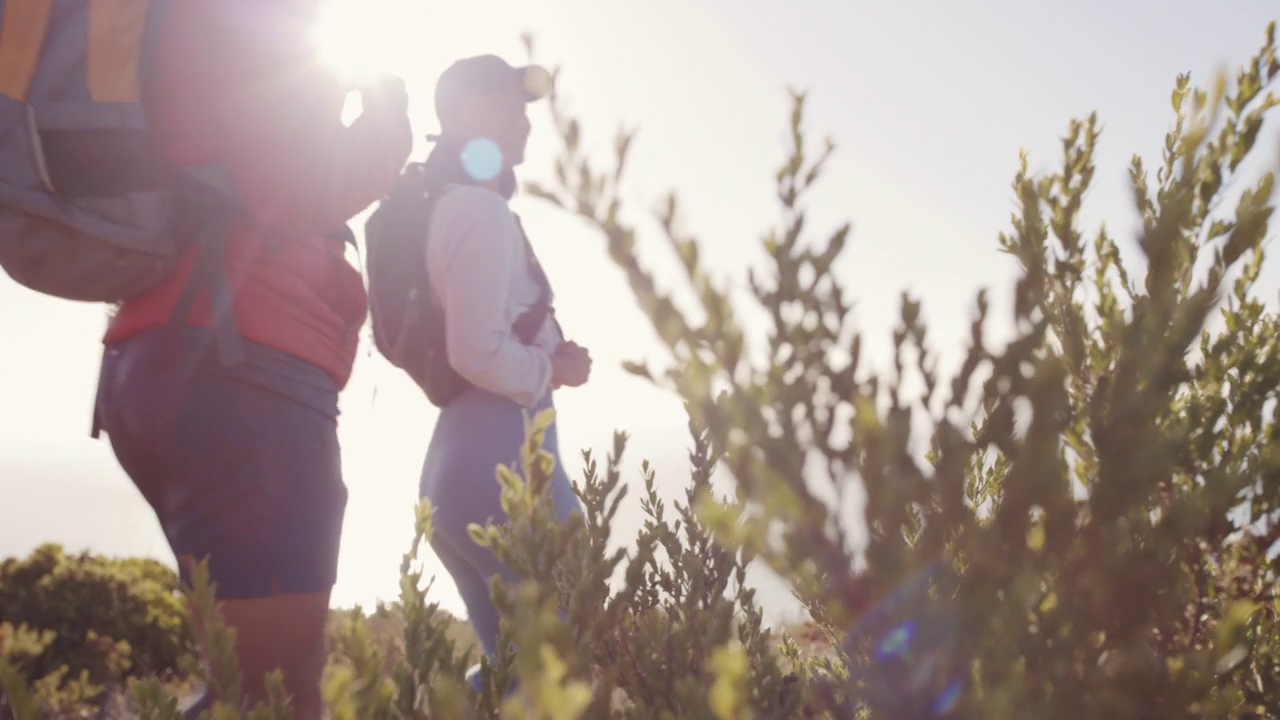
(564, 500)
(273, 545)
(471, 568)
(251, 482)
(470, 441)
(284, 632)
(472, 580)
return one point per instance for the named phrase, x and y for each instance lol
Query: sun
(359, 38)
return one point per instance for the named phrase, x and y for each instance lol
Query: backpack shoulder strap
(207, 219)
(531, 321)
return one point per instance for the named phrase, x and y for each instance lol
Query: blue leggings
(474, 434)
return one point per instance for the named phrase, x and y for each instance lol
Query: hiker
(226, 422)
(480, 337)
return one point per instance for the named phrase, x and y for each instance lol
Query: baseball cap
(487, 73)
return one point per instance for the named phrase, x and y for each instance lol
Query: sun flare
(359, 38)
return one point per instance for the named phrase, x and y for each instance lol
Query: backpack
(89, 209)
(408, 325)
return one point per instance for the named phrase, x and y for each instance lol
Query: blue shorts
(240, 464)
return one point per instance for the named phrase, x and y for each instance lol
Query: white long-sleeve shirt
(478, 271)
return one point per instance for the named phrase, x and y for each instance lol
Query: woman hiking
(486, 282)
(239, 458)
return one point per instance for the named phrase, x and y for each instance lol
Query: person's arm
(279, 127)
(473, 258)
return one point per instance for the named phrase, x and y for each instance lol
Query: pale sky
(929, 103)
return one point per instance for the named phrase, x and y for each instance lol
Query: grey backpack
(89, 209)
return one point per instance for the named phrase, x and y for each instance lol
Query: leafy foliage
(1064, 546)
(73, 624)
(1086, 528)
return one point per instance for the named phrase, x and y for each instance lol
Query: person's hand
(570, 365)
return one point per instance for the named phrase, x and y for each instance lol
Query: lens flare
(895, 643)
(482, 159)
(914, 670)
(946, 701)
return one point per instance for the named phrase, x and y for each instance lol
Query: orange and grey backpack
(89, 208)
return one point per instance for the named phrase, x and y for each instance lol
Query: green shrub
(76, 624)
(1063, 546)
(111, 617)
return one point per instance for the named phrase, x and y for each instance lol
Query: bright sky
(929, 102)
